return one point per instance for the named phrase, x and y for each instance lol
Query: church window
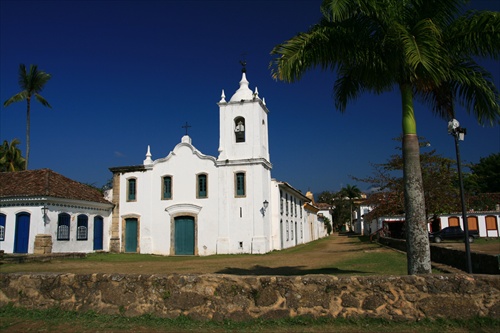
(82, 227)
(2, 227)
(286, 203)
(300, 204)
(295, 206)
(202, 186)
(166, 188)
(63, 226)
(132, 189)
(239, 129)
(240, 184)
(287, 237)
(281, 202)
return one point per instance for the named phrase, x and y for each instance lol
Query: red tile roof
(45, 182)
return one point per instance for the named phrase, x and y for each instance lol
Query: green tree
(326, 197)
(32, 84)
(439, 178)
(375, 46)
(10, 157)
(350, 192)
(340, 211)
(486, 174)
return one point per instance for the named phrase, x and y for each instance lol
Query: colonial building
(186, 203)
(42, 211)
(189, 203)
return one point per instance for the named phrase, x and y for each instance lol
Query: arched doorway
(453, 221)
(472, 223)
(98, 233)
(184, 235)
(22, 233)
(131, 235)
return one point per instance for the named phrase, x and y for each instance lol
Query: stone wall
(219, 297)
(482, 263)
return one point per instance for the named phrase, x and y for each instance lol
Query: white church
(189, 203)
(186, 203)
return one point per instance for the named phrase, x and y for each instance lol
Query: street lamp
(265, 204)
(459, 134)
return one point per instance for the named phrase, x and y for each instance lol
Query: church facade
(189, 203)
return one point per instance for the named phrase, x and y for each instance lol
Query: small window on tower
(239, 129)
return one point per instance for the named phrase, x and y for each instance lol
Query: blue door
(22, 233)
(184, 235)
(98, 232)
(131, 235)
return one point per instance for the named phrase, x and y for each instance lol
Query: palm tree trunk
(417, 239)
(28, 101)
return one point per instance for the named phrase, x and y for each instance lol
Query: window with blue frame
(167, 188)
(2, 226)
(202, 186)
(240, 184)
(63, 226)
(131, 189)
(82, 227)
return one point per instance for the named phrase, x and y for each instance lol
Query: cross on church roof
(186, 126)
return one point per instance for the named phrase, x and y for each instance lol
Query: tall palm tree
(377, 46)
(10, 157)
(32, 84)
(350, 192)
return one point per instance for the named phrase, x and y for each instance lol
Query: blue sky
(128, 74)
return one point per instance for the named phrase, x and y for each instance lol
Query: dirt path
(321, 257)
(295, 261)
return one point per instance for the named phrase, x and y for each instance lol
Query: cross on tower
(186, 126)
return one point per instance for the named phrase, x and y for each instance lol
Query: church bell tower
(244, 172)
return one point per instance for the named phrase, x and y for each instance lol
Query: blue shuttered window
(167, 187)
(63, 226)
(131, 189)
(2, 227)
(82, 227)
(202, 186)
(240, 184)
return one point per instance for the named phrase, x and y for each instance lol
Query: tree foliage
(439, 176)
(11, 158)
(485, 175)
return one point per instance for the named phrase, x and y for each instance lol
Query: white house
(42, 211)
(189, 203)
(485, 222)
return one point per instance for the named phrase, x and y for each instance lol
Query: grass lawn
(54, 320)
(337, 255)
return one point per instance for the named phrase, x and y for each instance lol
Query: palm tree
(10, 157)
(350, 192)
(376, 46)
(31, 83)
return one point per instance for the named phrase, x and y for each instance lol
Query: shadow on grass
(285, 270)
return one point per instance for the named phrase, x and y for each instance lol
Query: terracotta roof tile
(45, 182)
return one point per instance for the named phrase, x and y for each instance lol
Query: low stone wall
(482, 263)
(25, 257)
(219, 297)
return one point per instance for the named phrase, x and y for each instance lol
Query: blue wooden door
(184, 235)
(22, 233)
(98, 233)
(130, 235)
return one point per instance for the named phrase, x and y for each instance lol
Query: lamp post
(265, 204)
(459, 134)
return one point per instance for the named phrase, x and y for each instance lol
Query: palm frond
(21, 96)
(476, 33)
(42, 100)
